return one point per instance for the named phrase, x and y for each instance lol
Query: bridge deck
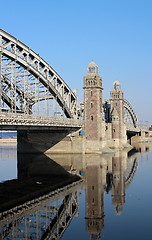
(10, 121)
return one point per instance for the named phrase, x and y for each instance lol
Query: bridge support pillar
(38, 141)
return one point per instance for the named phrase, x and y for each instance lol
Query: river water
(112, 202)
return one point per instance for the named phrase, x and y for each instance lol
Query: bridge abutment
(38, 141)
(142, 136)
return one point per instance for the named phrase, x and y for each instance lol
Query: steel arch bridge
(30, 85)
(26, 79)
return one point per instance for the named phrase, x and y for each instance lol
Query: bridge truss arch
(129, 114)
(26, 79)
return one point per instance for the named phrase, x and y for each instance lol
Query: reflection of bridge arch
(46, 217)
(130, 172)
(129, 113)
(33, 76)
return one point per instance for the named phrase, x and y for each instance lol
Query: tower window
(91, 117)
(91, 105)
(91, 93)
(92, 70)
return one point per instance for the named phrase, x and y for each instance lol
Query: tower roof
(92, 64)
(92, 67)
(116, 85)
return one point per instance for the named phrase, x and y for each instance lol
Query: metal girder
(20, 63)
(7, 86)
(7, 100)
(32, 99)
(129, 108)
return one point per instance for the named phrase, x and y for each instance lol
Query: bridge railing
(143, 126)
(130, 127)
(33, 120)
(139, 127)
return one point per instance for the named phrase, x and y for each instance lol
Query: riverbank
(8, 141)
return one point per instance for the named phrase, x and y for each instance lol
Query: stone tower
(119, 137)
(117, 99)
(93, 103)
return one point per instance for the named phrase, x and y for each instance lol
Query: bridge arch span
(26, 69)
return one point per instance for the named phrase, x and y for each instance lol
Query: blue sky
(68, 34)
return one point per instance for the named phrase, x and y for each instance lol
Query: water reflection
(104, 173)
(49, 215)
(107, 173)
(46, 217)
(39, 166)
(28, 210)
(8, 157)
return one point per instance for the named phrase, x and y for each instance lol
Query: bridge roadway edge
(37, 134)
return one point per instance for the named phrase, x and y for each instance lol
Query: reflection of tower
(94, 201)
(93, 103)
(118, 188)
